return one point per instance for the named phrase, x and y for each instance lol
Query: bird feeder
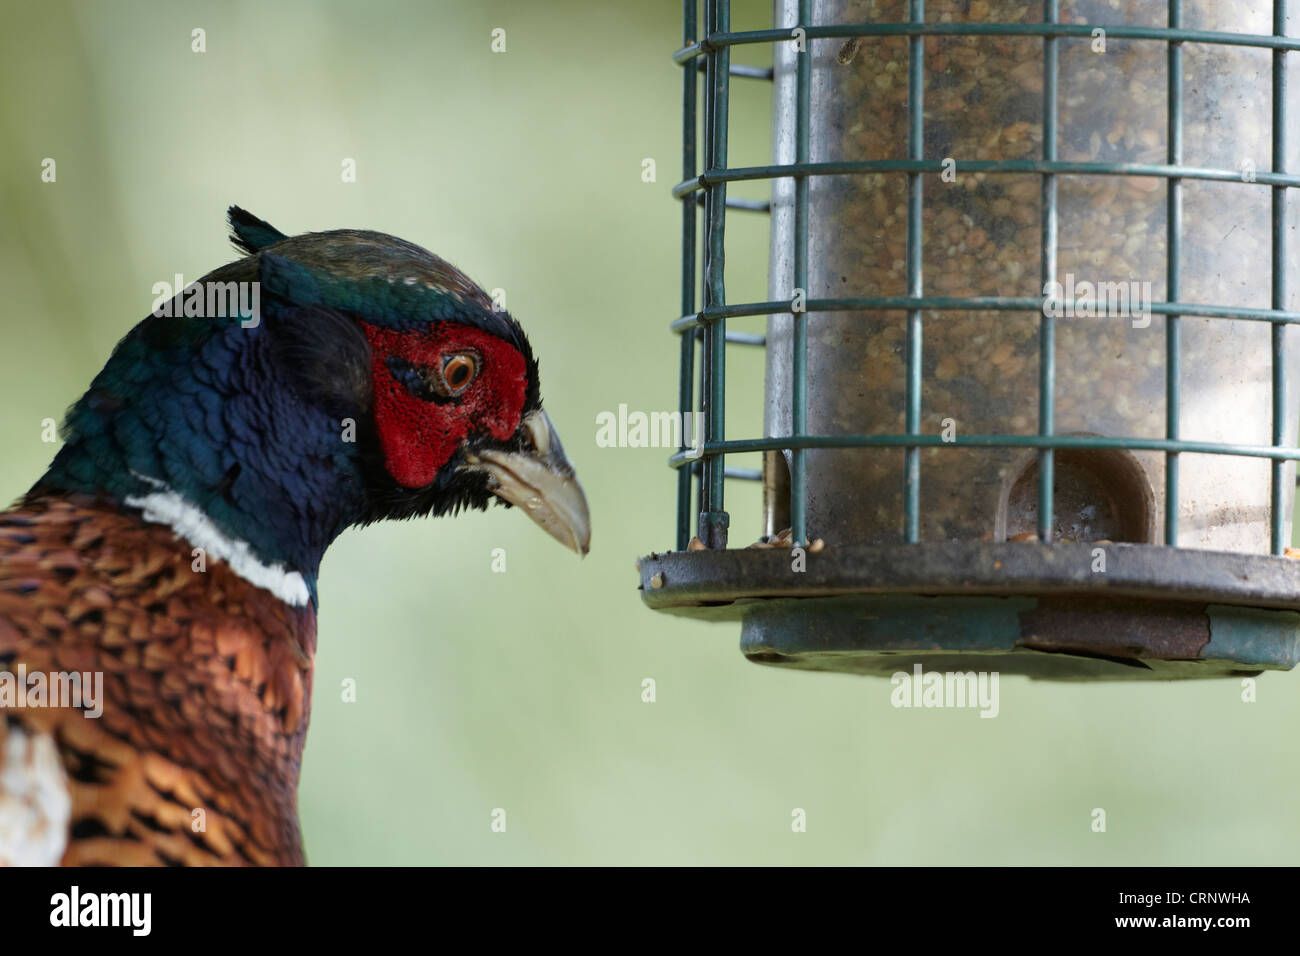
(1027, 350)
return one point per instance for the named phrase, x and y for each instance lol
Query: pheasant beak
(540, 480)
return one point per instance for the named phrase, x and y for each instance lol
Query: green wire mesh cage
(1026, 339)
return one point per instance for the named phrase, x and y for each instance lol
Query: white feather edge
(35, 809)
(165, 506)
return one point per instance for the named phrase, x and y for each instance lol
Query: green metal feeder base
(1154, 613)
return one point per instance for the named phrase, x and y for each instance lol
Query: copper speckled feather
(171, 552)
(206, 688)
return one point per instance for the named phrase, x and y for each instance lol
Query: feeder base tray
(1043, 610)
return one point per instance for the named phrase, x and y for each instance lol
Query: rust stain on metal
(1111, 628)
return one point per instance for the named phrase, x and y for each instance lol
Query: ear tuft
(326, 356)
(250, 234)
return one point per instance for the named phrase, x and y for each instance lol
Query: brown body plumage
(207, 684)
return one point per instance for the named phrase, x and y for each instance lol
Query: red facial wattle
(417, 436)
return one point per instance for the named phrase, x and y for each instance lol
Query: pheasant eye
(458, 371)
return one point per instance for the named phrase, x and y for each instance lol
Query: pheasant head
(322, 381)
(374, 381)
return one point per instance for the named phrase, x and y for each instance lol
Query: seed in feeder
(849, 50)
(695, 544)
(657, 581)
(1024, 536)
(1104, 372)
(817, 545)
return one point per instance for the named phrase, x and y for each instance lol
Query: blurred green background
(522, 690)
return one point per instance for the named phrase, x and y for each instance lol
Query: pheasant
(163, 571)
